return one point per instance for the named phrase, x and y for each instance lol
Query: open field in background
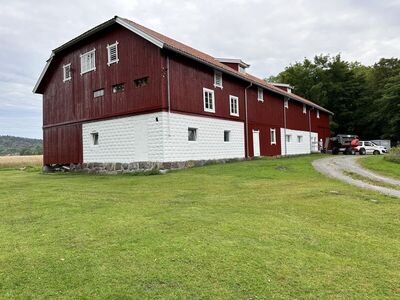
(377, 164)
(262, 229)
(20, 161)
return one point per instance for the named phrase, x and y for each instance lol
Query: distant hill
(13, 145)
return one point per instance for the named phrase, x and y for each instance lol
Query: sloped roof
(163, 41)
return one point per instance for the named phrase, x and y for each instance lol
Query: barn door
(256, 142)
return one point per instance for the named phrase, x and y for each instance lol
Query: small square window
(95, 138)
(117, 88)
(227, 135)
(260, 94)
(98, 93)
(67, 72)
(299, 138)
(273, 136)
(217, 79)
(112, 51)
(192, 134)
(141, 82)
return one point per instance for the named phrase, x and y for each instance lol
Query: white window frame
(95, 141)
(94, 61)
(217, 73)
(228, 134)
(260, 94)
(286, 103)
(212, 110)
(98, 93)
(304, 109)
(272, 135)
(195, 130)
(70, 73)
(110, 62)
(318, 114)
(236, 100)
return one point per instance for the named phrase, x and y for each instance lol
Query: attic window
(260, 95)
(141, 82)
(67, 72)
(218, 79)
(88, 61)
(117, 88)
(112, 51)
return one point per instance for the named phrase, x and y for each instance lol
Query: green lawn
(378, 164)
(263, 229)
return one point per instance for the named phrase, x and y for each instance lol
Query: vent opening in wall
(227, 135)
(95, 138)
(141, 82)
(117, 88)
(98, 93)
(192, 134)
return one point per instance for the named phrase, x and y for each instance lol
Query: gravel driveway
(335, 166)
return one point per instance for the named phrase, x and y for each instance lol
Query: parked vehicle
(368, 147)
(345, 143)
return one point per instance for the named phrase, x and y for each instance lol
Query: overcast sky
(267, 34)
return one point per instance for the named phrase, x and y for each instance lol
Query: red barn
(122, 93)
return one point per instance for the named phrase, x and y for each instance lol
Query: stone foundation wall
(146, 166)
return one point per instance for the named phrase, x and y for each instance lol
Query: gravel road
(335, 166)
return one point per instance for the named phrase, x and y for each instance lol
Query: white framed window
(95, 138)
(304, 109)
(288, 138)
(98, 93)
(260, 94)
(234, 105)
(272, 133)
(209, 101)
(317, 113)
(88, 61)
(286, 104)
(112, 53)
(217, 79)
(67, 72)
(227, 135)
(299, 138)
(192, 134)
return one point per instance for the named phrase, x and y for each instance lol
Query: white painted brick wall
(294, 147)
(142, 138)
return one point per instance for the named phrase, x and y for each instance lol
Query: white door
(256, 142)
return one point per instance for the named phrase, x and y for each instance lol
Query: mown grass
(369, 180)
(264, 229)
(378, 164)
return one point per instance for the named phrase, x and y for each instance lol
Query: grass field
(20, 161)
(378, 164)
(263, 229)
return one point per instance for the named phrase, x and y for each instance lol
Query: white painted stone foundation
(161, 137)
(294, 147)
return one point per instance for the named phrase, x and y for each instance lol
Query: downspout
(168, 97)
(246, 119)
(309, 126)
(284, 123)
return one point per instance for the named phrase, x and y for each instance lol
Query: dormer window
(242, 69)
(67, 72)
(260, 95)
(218, 79)
(112, 51)
(88, 61)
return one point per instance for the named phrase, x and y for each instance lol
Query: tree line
(12, 145)
(365, 99)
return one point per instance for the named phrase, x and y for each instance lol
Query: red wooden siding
(63, 144)
(73, 100)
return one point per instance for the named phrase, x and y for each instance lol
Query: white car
(368, 147)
